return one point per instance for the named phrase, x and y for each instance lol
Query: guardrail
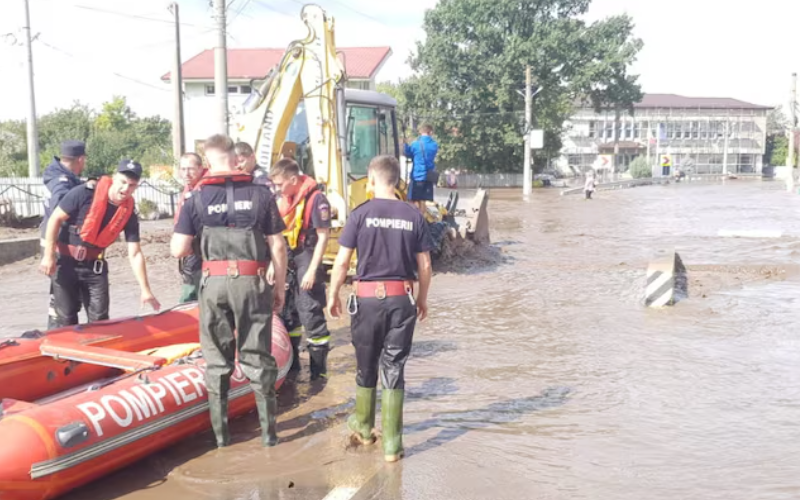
(688, 179)
(26, 195)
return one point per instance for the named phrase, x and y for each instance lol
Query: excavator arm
(309, 71)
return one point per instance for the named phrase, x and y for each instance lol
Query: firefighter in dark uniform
(393, 244)
(59, 177)
(237, 220)
(306, 212)
(94, 217)
(191, 170)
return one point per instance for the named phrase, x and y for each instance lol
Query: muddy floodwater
(542, 375)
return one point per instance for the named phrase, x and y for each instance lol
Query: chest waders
(234, 296)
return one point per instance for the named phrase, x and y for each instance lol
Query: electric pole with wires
(792, 127)
(33, 135)
(178, 144)
(221, 67)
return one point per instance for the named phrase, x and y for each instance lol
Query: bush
(639, 169)
(148, 210)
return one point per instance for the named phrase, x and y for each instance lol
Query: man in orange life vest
(94, 216)
(306, 213)
(191, 170)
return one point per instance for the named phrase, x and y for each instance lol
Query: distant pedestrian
(589, 186)
(423, 176)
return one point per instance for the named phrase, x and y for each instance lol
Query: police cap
(130, 168)
(73, 149)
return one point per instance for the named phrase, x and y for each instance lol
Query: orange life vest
(90, 229)
(294, 213)
(221, 177)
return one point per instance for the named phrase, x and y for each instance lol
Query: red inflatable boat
(26, 374)
(153, 399)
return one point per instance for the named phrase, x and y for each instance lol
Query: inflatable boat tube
(52, 446)
(27, 375)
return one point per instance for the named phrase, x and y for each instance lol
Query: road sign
(536, 139)
(666, 161)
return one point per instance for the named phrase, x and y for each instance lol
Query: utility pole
(526, 175)
(792, 127)
(725, 146)
(221, 67)
(178, 144)
(33, 135)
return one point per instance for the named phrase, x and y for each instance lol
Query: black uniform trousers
(243, 303)
(75, 283)
(309, 304)
(382, 331)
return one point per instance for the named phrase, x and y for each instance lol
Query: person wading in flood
(191, 170)
(237, 220)
(393, 245)
(307, 214)
(95, 216)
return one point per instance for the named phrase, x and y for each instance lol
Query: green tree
(471, 67)
(777, 146)
(116, 115)
(13, 149)
(110, 135)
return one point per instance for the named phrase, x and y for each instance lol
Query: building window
(246, 89)
(233, 89)
(592, 132)
(209, 90)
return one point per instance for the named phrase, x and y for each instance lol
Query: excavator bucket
(475, 223)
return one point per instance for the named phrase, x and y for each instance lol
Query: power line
(356, 11)
(133, 16)
(112, 72)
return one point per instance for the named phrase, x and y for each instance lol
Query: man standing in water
(238, 223)
(393, 245)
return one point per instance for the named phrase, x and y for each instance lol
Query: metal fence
(26, 195)
(473, 181)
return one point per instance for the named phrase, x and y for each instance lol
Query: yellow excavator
(301, 109)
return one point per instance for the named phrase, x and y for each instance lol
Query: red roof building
(361, 63)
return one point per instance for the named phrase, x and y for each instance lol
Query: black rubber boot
(218, 411)
(295, 353)
(318, 354)
(267, 409)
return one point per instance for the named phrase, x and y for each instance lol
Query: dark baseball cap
(73, 149)
(130, 168)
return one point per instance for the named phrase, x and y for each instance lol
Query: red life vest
(295, 214)
(221, 177)
(90, 229)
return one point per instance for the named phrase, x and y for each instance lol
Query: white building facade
(696, 135)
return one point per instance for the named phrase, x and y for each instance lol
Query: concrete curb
(19, 249)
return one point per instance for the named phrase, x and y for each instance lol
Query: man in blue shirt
(423, 153)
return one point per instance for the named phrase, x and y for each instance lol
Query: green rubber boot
(218, 412)
(362, 421)
(392, 420)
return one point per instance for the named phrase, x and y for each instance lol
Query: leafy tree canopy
(470, 70)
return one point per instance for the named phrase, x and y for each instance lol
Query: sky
(90, 50)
